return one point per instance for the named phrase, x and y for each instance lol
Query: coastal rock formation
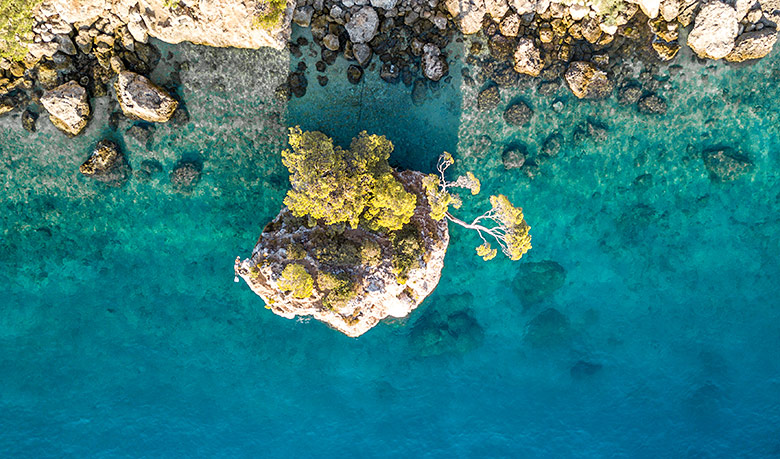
(68, 107)
(587, 81)
(363, 25)
(140, 98)
(107, 164)
(725, 164)
(223, 23)
(753, 45)
(347, 277)
(467, 13)
(528, 60)
(714, 30)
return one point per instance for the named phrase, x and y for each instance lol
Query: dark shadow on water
(419, 131)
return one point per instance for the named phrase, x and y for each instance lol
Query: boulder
(488, 98)
(714, 30)
(362, 53)
(527, 58)
(68, 107)
(497, 8)
(433, 63)
(185, 175)
(354, 74)
(518, 114)
(468, 14)
(587, 81)
(106, 164)
(725, 164)
(652, 104)
(753, 45)
(650, 7)
(513, 157)
(629, 94)
(384, 4)
(139, 98)
(363, 25)
(349, 275)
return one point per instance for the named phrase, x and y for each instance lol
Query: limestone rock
(362, 257)
(650, 7)
(222, 23)
(524, 6)
(434, 64)
(587, 81)
(142, 99)
(496, 8)
(107, 164)
(753, 45)
(714, 30)
(467, 13)
(725, 164)
(363, 25)
(527, 58)
(68, 107)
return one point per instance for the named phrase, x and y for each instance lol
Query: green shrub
(16, 21)
(340, 289)
(297, 280)
(370, 253)
(407, 249)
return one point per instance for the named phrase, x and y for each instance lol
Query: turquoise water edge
(645, 322)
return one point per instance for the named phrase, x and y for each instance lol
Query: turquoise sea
(645, 322)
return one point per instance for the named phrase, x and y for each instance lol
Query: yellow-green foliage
(345, 186)
(295, 251)
(438, 199)
(486, 252)
(269, 14)
(16, 21)
(517, 239)
(340, 289)
(370, 253)
(390, 206)
(408, 247)
(297, 280)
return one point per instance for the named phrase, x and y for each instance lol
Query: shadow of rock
(549, 329)
(447, 326)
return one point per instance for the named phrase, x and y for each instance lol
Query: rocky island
(358, 241)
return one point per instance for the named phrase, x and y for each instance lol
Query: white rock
(68, 107)
(523, 6)
(650, 7)
(467, 13)
(434, 65)
(714, 30)
(384, 4)
(363, 25)
(140, 98)
(578, 11)
(496, 8)
(527, 58)
(510, 26)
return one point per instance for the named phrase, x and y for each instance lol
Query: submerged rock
(447, 326)
(348, 274)
(725, 164)
(185, 175)
(549, 328)
(587, 81)
(537, 281)
(629, 94)
(513, 157)
(583, 369)
(29, 118)
(68, 107)
(652, 104)
(714, 30)
(488, 98)
(139, 98)
(518, 114)
(107, 164)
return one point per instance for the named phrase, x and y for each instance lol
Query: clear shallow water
(122, 333)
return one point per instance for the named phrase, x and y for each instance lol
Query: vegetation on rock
(345, 186)
(296, 280)
(269, 14)
(16, 21)
(506, 223)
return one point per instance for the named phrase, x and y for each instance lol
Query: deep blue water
(645, 322)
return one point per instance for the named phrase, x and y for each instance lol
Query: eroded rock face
(587, 81)
(142, 99)
(364, 263)
(714, 30)
(753, 45)
(223, 23)
(68, 107)
(107, 164)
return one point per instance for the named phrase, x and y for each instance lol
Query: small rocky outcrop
(753, 45)
(433, 63)
(714, 30)
(139, 98)
(518, 114)
(68, 107)
(363, 25)
(528, 60)
(651, 104)
(488, 98)
(185, 175)
(587, 81)
(726, 164)
(107, 164)
(345, 277)
(513, 157)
